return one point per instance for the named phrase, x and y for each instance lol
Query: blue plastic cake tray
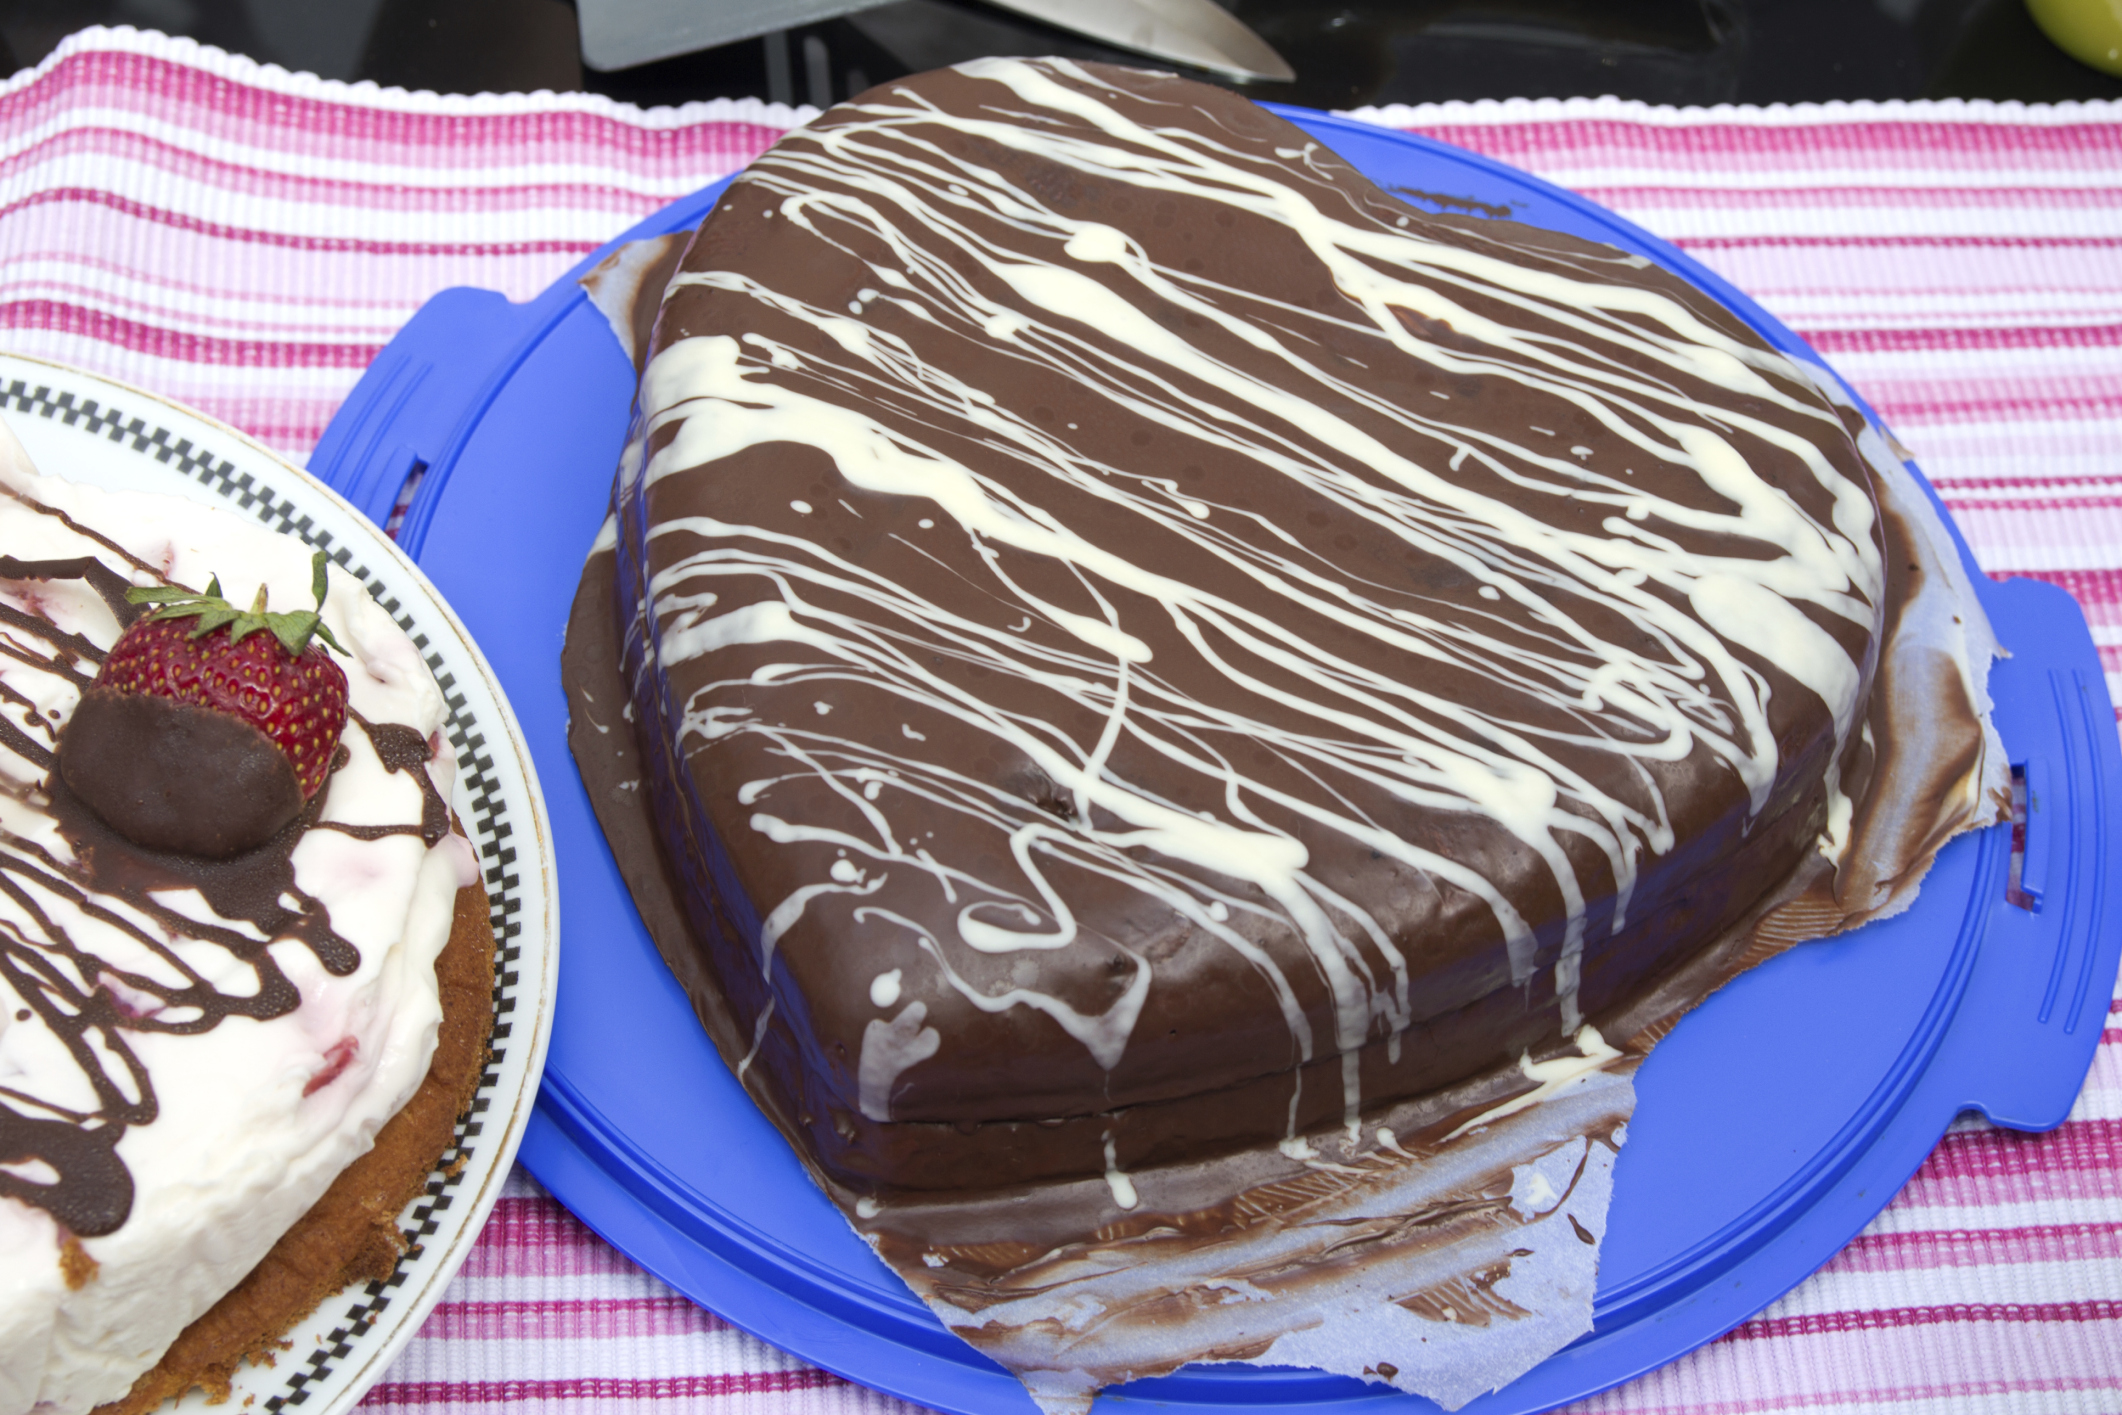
(1772, 1125)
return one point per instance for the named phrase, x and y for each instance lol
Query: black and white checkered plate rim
(338, 1332)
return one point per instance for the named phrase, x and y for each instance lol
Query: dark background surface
(1366, 51)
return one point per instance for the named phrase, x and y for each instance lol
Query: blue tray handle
(2025, 1036)
(401, 416)
(416, 406)
(2041, 820)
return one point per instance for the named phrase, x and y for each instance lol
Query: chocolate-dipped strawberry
(209, 727)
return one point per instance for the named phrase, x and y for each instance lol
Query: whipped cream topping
(242, 1065)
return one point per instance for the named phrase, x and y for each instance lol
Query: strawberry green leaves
(293, 629)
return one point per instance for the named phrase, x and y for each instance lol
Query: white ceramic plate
(91, 429)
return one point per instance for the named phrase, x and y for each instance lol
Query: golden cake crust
(350, 1234)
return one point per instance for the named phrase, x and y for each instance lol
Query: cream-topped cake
(191, 1050)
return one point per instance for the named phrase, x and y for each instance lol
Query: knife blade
(619, 34)
(1199, 33)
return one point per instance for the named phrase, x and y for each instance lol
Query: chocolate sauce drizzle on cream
(136, 979)
(1616, 585)
(401, 748)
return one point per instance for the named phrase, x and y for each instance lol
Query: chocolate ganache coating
(1144, 644)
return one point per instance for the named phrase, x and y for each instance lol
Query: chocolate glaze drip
(109, 585)
(371, 832)
(93, 1193)
(254, 887)
(94, 1006)
(402, 748)
(72, 656)
(20, 742)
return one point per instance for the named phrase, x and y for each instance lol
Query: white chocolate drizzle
(922, 215)
(1549, 1077)
(1123, 1188)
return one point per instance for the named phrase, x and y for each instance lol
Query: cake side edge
(350, 1234)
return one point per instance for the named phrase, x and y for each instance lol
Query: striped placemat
(245, 240)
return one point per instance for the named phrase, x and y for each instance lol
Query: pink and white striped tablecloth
(245, 240)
